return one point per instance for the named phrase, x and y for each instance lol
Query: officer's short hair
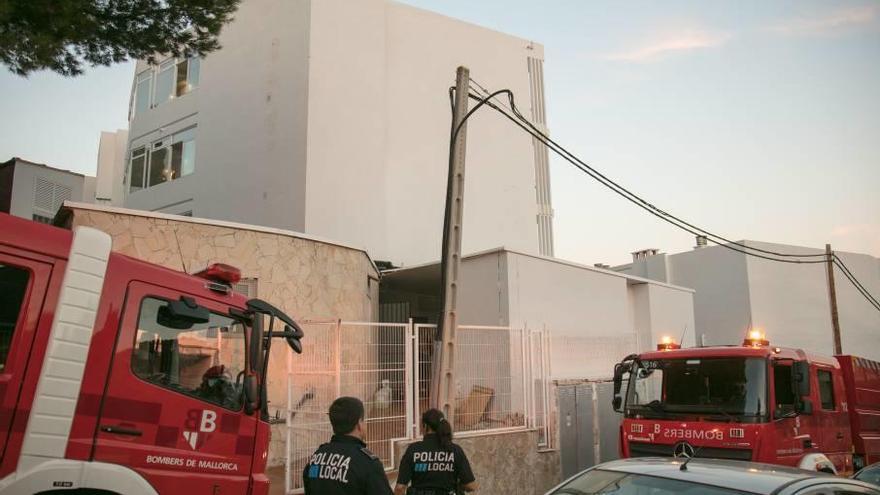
(345, 413)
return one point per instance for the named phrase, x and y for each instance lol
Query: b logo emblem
(207, 423)
(683, 450)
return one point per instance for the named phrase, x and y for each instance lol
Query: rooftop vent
(702, 241)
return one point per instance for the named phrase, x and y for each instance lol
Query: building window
(826, 389)
(137, 167)
(168, 159)
(164, 82)
(142, 91)
(172, 78)
(183, 153)
(202, 361)
(187, 75)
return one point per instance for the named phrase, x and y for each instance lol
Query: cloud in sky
(684, 41)
(827, 23)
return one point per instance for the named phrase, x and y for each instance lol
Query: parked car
(869, 474)
(665, 476)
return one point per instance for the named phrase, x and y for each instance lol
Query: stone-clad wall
(508, 462)
(307, 279)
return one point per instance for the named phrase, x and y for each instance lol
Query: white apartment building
(332, 117)
(789, 302)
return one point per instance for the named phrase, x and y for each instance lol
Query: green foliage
(62, 35)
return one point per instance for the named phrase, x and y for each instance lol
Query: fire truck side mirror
(251, 394)
(801, 377)
(182, 314)
(616, 402)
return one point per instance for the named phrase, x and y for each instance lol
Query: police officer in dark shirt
(434, 466)
(345, 466)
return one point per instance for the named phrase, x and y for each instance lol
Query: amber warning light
(221, 272)
(667, 344)
(756, 338)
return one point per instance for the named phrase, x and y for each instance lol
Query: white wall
(788, 301)
(423, 51)
(791, 303)
(592, 314)
(112, 153)
(722, 306)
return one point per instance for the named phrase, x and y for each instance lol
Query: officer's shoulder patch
(367, 452)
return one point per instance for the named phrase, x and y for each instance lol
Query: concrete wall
(331, 117)
(112, 160)
(508, 462)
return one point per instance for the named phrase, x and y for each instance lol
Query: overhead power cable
(626, 194)
(614, 185)
(855, 281)
(518, 119)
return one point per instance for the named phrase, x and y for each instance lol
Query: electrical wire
(855, 281)
(734, 246)
(525, 124)
(614, 185)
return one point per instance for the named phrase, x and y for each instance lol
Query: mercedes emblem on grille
(683, 449)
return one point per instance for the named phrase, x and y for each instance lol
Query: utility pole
(832, 297)
(442, 379)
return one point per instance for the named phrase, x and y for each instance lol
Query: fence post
(338, 358)
(287, 425)
(524, 375)
(408, 378)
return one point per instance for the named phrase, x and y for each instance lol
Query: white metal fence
(501, 373)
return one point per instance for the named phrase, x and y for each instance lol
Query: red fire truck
(753, 402)
(118, 376)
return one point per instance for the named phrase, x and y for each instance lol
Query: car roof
(747, 476)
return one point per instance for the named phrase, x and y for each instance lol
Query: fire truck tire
(817, 462)
(65, 476)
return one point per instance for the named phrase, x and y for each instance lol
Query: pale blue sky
(758, 120)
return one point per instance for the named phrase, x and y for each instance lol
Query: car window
(598, 481)
(204, 360)
(836, 489)
(869, 475)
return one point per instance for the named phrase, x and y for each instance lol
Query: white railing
(501, 373)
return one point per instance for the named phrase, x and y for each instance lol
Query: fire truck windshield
(730, 388)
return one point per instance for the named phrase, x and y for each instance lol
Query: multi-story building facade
(790, 302)
(36, 191)
(332, 118)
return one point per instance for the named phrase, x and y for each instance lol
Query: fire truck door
(833, 420)
(173, 410)
(23, 283)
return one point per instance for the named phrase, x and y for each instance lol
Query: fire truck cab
(752, 402)
(119, 376)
